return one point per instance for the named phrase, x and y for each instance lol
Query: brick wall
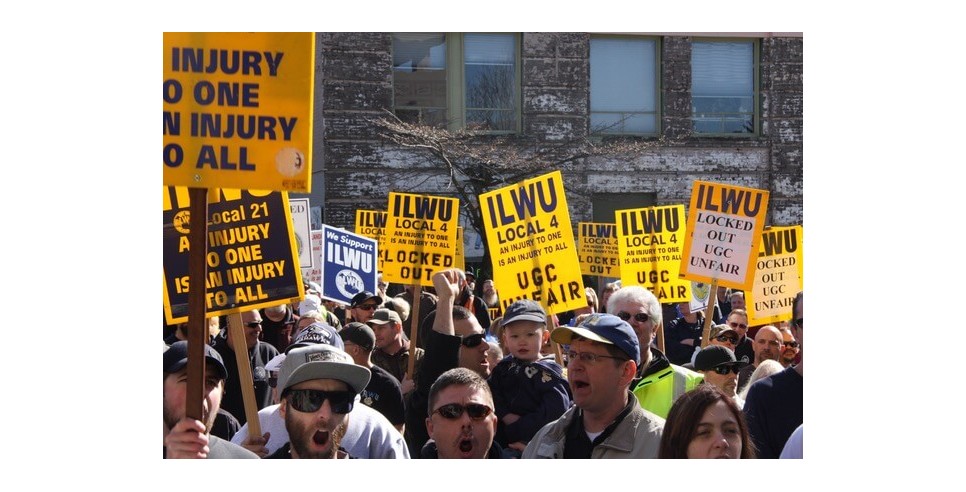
(355, 169)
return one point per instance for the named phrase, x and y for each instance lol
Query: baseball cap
(524, 310)
(363, 297)
(359, 334)
(603, 328)
(718, 330)
(383, 316)
(469, 273)
(321, 361)
(176, 357)
(309, 304)
(713, 356)
(316, 333)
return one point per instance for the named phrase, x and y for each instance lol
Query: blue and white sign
(349, 264)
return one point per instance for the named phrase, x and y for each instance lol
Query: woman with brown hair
(705, 423)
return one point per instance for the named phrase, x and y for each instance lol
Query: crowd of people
(478, 381)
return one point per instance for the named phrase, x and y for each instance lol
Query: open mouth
(466, 445)
(321, 438)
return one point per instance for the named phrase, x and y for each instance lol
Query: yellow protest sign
(650, 241)
(372, 224)
(778, 276)
(597, 249)
(724, 226)
(238, 110)
(420, 237)
(531, 244)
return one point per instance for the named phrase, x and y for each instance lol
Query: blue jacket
(536, 391)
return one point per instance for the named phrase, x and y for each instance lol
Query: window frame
(756, 88)
(658, 88)
(456, 83)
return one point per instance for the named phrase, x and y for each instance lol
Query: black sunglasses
(737, 325)
(453, 411)
(726, 338)
(253, 324)
(367, 307)
(474, 340)
(639, 317)
(725, 369)
(308, 401)
(792, 344)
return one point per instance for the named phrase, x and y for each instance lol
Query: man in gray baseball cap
(319, 384)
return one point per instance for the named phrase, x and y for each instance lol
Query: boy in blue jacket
(529, 390)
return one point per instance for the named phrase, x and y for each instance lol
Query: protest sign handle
(414, 328)
(709, 312)
(244, 366)
(660, 336)
(556, 347)
(197, 323)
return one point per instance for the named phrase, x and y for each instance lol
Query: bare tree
(477, 162)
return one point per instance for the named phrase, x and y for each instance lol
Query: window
(624, 86)
(724, 81)
(458, 80)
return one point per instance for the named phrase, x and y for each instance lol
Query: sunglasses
(639, 317)
(453, 411)
(253, 324)
(472, 341)
(792, 344)
(737, 325)
(367, 307)
(725, 369)
(800, 322)
(309, 401)
(727, 339)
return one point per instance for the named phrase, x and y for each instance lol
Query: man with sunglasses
(259, 353)
(657, 382)
(720, 368)
(363, 305)
(368, 435)
(606, 420)
(738, 321)
(321, 384)
(790, 347)
(461, 421)
(721, 335)
(455, 340)
(774, 405)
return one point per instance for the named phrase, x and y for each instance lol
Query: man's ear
(546, 336)
(429, 427)
(282, 406)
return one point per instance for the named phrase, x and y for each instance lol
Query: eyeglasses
(792, 344)
(453, 411)
(367, 307)
(799, 322)
(254, 324)
(639, 317)
(308, 401)
(726, 339)
(474, 340)
(589, 357)
(737, 325)
(725, 369)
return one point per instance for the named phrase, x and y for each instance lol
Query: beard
(301, 437)
(490, 299)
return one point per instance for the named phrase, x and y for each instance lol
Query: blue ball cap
(603, 328)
